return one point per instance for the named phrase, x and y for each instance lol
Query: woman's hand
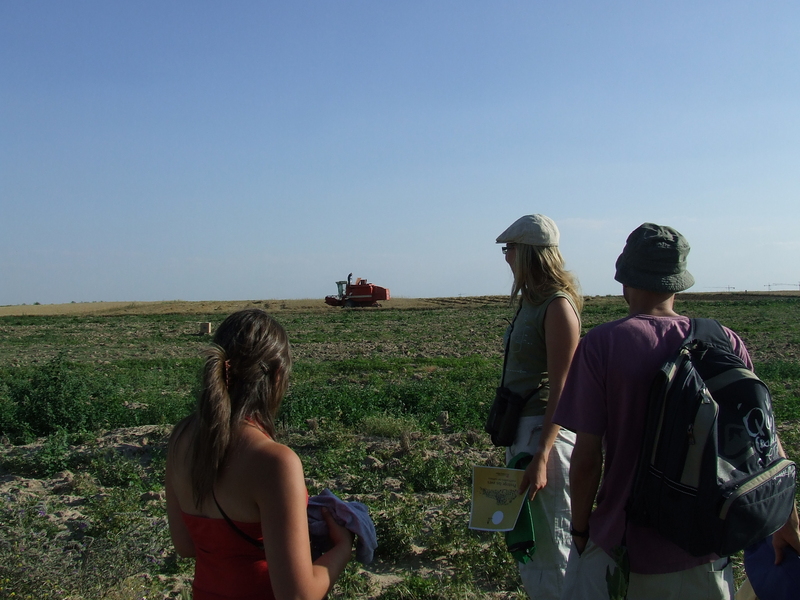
(535, 475)
(340, 535)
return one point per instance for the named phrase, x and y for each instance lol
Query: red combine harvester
(360, 293)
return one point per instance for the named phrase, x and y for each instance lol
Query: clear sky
(160, 150)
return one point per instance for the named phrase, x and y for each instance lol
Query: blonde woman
(539, 345)
(236, 498)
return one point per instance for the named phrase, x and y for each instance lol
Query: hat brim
(655, 283)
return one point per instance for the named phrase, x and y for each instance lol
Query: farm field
(385, 406)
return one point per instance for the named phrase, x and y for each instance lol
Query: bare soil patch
(62, 504)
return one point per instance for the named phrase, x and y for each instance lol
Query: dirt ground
(141, 442)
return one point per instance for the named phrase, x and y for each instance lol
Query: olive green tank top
(526, 354)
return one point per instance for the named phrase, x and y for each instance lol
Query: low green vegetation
(385, 406)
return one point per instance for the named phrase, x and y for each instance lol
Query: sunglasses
(506, 248)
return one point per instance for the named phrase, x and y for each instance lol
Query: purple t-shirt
(606, 395)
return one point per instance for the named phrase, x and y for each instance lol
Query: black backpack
(710, 477)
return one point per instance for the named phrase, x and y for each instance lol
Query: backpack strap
(709, 331)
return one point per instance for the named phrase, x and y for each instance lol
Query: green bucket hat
(654, 259)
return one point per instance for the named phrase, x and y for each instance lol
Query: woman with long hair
(539, 345)
(236, 498)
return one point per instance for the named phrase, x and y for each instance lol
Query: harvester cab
(360, 293)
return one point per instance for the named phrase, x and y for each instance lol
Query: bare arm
(789, 534)
(585, 469)
(562, 333)
(181, 539)
(282, 503)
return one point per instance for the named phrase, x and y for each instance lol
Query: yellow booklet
(495, 502)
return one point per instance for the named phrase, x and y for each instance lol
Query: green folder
(521, 541)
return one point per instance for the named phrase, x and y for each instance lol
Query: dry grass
(205, 307)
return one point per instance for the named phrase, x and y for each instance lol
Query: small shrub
(334, 437)
(9, 425)
(415, 587)
(114, 470)
(388, 426)
(448, 531)
(483, 557)
(428, 474)
(45, 461)
(56, 397)
(397, 529)
(54, 454)
(352, 583)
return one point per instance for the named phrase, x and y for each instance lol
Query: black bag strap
(508, 345)
(543, 383)
(709, 331)
(233, 526)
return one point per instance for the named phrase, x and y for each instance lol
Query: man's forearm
(586, 466)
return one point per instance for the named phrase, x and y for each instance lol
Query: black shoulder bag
(506, 409)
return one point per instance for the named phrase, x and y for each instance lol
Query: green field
(385, 406)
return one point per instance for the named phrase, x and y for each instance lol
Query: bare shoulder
(561, 310)
(258, 475)
(180, 438)
(261, 452)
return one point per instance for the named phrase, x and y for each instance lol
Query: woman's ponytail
(212, 433)
(244, 378)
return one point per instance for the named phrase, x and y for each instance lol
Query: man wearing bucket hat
(602, 402)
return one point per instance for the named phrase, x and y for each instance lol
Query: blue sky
(255, 150)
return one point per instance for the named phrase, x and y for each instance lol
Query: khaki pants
(586, 580)
(543, 576)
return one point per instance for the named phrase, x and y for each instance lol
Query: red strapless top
(227, 567)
